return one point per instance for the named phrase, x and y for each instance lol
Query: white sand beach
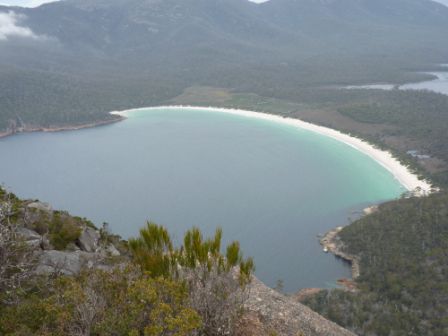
(402, 173)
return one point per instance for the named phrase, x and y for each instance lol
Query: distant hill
(86, 57)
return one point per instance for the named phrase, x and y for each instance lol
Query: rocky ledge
(272, 313)
(86, 246)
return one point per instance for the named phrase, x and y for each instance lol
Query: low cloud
(10, 27)
(443, 2)
(24, 3)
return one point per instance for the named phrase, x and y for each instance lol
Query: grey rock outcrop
(32, 238)
(89, 240)
(68, 263)
(40, 206)
(111, 251)
(284, 316)
(71, 247)
(28, 234)
(46, 244)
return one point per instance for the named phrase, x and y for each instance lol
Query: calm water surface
(439, 85)
(271, 186)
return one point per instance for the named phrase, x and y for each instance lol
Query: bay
(271, 186)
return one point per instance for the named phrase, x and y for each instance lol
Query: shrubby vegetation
(216, 287)
(16, 257)
(116, 302)
(63, 230)
(404, 266)
(159, 290)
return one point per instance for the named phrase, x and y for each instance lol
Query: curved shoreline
(33, 129)
(402, 174)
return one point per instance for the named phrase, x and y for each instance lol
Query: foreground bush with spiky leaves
(217, 282)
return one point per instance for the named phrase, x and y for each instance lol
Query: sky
(35, 3)
(24, 3)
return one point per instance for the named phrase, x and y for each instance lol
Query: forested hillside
(83, 58)
(404, 266)
(418, 122)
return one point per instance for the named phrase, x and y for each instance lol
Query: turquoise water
(271, 186)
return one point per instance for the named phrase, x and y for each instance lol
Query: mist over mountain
(280, 29)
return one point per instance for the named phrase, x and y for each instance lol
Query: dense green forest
(419, 115)
(44, 99)
(404, 266)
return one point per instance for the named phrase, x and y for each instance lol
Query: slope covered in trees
(417, 117)
(404, 266)
(90, 57)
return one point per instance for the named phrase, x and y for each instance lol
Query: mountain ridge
(123, 54)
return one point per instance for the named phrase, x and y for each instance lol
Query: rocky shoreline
(31, 129)
(332, 243)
